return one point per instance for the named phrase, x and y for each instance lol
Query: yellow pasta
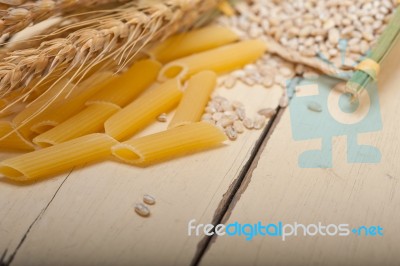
(8, 105)
(195, 41)
(220, 60)
(54, 115)
(109, 64)
(48, 99)
(55, 108)
(144, 110)
(58, 158)
(89, 120)
(38, 86)
(168, 144)
(125, 88)
(5, 112)
(12, 139)
(226, 8)
(195, 98)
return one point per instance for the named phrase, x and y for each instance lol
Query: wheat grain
(217, 116)
(142, 210)
(307, 31)
(162, 118)
(267, 112)
(315, 107)
(248, 123)
(238, 126)
(231, 133)
(259, 122)
(241, 113)
(225, 122)
(148, 199)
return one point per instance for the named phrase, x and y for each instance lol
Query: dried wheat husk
(12, 2)
(116, 35)
(19, 16)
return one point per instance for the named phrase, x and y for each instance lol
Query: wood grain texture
(20, 207)
(357, 194)
(91, 221)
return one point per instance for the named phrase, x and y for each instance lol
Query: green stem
(360, 79)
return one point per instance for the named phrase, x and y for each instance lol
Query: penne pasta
(226, 8)
(109, 64)
(220, 60)
(5, 112)
(89, 120)
(6, 108)
(58, 158)
(30, 121)
(144, 110)
(195, 99)
(130, 84)
(170, 143)
(40, 85)
(12, 139)
(51, 117)
(195, 41)
(50, 98)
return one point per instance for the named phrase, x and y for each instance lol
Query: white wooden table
(86, 217)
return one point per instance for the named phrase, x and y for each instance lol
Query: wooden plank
(355, 194)
(20, 206)
(92, 221)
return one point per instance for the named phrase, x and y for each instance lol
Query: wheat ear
(18, 17)
(118, 34)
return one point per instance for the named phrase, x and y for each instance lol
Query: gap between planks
(238, 186)
(7, 262)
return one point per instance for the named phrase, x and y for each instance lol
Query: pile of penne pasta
(66, 127)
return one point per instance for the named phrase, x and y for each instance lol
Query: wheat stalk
(19, 16)
(118, 34)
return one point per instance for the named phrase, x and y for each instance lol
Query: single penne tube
(9, 107)
(11, 139)
(130, 84)
(59, 158)
(51, 117)
(5, 112)
(89, 120)
(11, 103)
(144, 110)
(169, 144)
(73, 104)
(194, 99)
(191, 42)
(222, 59)
(48, 99)
(109, 64)
(44, 113)
(40, 85)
